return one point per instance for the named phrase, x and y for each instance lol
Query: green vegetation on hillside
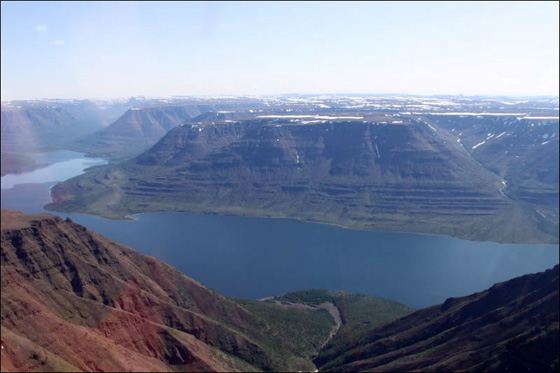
(359, 313)
(290, 335)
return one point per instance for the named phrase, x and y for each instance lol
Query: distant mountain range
(142, 126)
(136, 130)
(32, 126)
(494, 178)
(12, 163)
(74, 300)
(474, 167)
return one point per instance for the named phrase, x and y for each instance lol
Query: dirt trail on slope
(335, 313)
(328, 306)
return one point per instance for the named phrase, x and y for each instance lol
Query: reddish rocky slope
(72, 299)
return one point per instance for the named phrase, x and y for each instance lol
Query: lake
(60, 165)
(259, 257)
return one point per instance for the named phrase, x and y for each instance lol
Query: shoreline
(137, 215)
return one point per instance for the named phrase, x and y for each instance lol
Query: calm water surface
(256, 257)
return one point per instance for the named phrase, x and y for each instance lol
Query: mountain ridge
(400, 177)
(512, 326)
(136, 130)
(43, 126)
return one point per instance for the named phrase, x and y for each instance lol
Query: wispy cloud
(58, 42)
(41, 28)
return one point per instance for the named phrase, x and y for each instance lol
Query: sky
(109, 50)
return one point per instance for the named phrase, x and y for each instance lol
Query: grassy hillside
(358, 313)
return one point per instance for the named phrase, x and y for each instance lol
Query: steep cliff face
(407, 176)
(348, 168)
(72, 299)
(513, 326)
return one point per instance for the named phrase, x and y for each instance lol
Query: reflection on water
(61, 165)
(256, 257)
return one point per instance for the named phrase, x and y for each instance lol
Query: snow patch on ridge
(479, 144)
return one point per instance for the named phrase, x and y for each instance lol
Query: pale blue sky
(100, 50)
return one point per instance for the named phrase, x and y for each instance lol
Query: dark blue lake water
(259, 257)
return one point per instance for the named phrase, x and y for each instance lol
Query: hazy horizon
(295, 94)
(120, 50)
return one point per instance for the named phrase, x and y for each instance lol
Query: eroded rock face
(523, 151)
(407, 176)
(72, 299)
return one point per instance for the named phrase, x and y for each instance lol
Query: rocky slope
(513, 326)
(405, 175)
(73, 300)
